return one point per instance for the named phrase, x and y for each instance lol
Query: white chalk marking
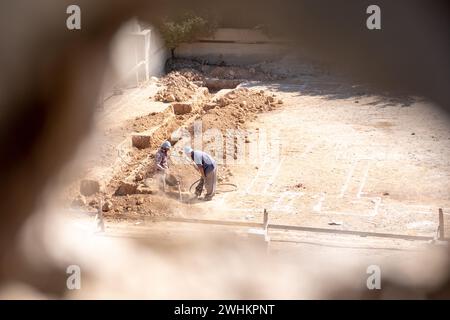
(318, 206)
(347, 180)
(274, 175)
(250, 186)
(363, 182)
(290, 195)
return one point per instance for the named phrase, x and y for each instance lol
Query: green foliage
(185, 29)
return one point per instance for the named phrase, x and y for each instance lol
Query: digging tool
(172, 180)
(179, 192)
(99, 223)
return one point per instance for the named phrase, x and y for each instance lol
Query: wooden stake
(179, 192)
(266, 220)
(266, 228)
(441, 225)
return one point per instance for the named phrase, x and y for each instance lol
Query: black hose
(192, 187)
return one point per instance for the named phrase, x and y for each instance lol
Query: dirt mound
(233, 109)
(192, 74)
(136, 204)
(177, 88)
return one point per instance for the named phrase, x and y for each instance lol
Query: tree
(186, 28)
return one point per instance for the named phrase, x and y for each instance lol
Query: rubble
(125, 188)
(142, 189)
(230, 109)
(107, 206)
(197, 71)
(177, 88)
(218, 84)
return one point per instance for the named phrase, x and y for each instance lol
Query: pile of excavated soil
(192, 74)
(233, 109)
(155, 205)
(176, 88)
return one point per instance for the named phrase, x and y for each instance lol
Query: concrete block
(209, 106)
(141, 141)
(181, 108)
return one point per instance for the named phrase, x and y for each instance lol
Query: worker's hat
(166, 145)
(188, 150)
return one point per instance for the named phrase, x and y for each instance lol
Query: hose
(231, 185)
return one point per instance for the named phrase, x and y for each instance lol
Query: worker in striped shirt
(162, 163)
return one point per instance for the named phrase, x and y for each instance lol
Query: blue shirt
(205, 160)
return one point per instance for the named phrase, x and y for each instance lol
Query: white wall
(234, 46)
(129, 47)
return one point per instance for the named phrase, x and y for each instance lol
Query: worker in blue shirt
(207, 168)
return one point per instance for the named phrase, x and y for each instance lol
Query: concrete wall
(157, 53)
(234, 46)
(133, 46)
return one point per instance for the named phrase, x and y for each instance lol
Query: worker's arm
(158, 159)
(160, 167)
(201, 170)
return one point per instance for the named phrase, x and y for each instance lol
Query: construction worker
(207, 168)
(162, 163)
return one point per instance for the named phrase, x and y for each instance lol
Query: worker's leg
(199, 188)
(210, 184)
(161, 180)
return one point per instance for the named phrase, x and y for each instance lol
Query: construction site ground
(341, 157)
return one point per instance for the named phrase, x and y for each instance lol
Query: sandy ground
(332, 156)
(362, 162)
